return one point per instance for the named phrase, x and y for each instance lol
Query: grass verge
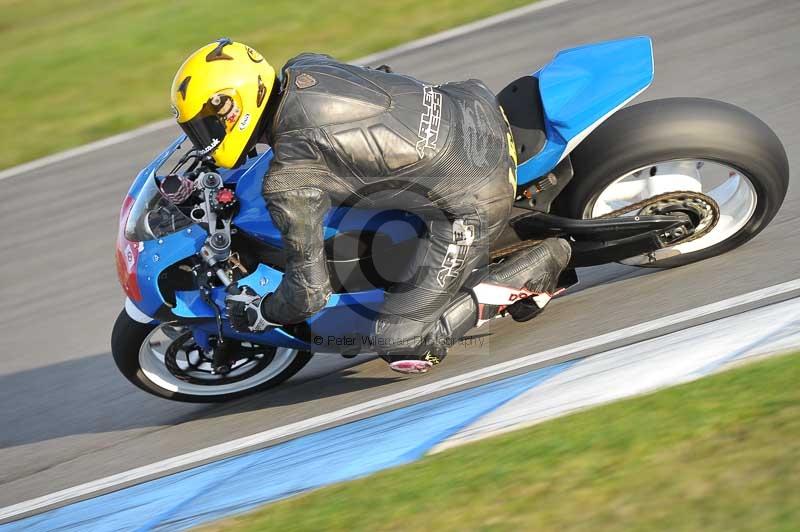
(79, 70)
(722, 453)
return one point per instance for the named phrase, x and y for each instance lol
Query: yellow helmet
(219, 96)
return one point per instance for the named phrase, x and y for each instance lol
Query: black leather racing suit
(349, 135)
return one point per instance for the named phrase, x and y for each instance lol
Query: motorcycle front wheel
(682, 145)
(163, 360)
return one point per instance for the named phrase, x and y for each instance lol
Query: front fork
(216, 251)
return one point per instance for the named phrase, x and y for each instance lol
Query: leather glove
(244, 310)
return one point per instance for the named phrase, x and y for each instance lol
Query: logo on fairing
(244, 122)
(429, 121)
(130, 258)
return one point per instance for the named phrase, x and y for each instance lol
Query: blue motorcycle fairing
(150, 170)
(152, 257)
(357, 310)
(155, 256)
(580, 88)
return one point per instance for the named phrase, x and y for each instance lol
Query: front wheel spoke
(188, 362)
(196, 365)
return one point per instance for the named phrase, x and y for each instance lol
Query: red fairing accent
(127, 255)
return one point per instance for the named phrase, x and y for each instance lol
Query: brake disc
(197, 369)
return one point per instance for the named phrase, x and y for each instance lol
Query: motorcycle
(658, 184)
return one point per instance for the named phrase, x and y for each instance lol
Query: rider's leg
(530, 273)
(526, 279)
(457, 242)
(443, 260)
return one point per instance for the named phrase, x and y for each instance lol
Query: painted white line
(87, 148)
(339, 416)
(460, 30)
(373, 58)
(644, 367)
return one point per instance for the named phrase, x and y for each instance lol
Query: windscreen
(153, 216)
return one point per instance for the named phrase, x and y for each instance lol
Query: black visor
(207, 128)
(205, 131)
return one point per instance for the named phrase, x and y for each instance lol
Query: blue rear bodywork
(579, 88)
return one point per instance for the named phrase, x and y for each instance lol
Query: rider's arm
(305, 287)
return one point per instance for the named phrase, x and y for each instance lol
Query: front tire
(666, 146)
(132, 346)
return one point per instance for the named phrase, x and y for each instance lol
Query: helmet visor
(208, 128)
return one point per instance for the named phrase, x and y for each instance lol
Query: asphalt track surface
(68, 417)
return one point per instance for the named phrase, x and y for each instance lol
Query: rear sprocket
(700, 210)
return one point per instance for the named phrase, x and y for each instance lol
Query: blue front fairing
(152, 257)
(349, 314)
(352, 311)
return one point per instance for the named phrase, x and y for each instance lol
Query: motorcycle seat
(522, 104)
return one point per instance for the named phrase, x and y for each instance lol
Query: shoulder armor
(322, 93)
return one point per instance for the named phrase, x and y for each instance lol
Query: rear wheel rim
(733, 191)
(152, 363)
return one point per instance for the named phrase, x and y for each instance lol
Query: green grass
(722, 453)
(73, 71)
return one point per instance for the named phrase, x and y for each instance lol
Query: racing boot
(459, 317)
(414, 362)
(531, 275)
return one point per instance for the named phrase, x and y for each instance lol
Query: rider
(345, 135)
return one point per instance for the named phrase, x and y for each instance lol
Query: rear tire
(127, 339)
(691, 129)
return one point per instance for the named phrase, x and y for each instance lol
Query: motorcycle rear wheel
(140, 353)
(681, 144)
